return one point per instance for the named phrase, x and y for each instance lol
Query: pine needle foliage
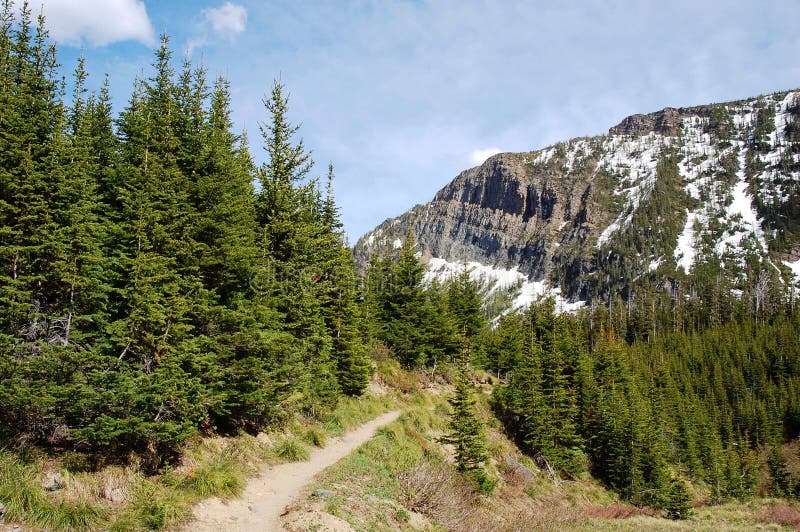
(467, 432)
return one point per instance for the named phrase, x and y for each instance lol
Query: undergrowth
(120, 498)
(404, 479)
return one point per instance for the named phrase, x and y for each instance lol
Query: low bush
(781, 513)
(291, 449)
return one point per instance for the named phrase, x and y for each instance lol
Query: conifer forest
(158, 286)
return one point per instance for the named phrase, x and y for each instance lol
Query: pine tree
(32, 320)
(467, 433)
(464, 304)
(154, 339)
(778, 471)
(291, 235)
(401, 303)
(342, 313)
(679, 501)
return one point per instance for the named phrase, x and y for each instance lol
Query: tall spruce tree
(464, 304)
(291, 231)
(338, 292)
(158, 397)
(467, 433)
(32, 143)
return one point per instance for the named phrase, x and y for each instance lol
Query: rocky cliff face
(657, 198)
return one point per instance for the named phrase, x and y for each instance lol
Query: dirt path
(265, 497)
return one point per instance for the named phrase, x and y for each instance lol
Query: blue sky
(402, 95)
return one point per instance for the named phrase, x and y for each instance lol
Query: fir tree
(291, 235)
(678, 504)
(464, 304)
(338, 292)
(153, 334)
(467, 433)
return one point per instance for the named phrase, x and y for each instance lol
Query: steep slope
(662, 198)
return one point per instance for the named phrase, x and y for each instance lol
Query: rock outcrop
(658, 194)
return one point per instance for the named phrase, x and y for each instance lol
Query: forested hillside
(698, 202)
(158, 286)
(647, 402)
(149, 290)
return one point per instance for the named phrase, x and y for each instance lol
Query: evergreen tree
(152, 337)
(403, 308)
(467, 433)
(338, 290)
(291, 233)
(679, 501)
(778, 472)
(464, 304)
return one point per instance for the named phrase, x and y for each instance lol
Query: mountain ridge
(661, 196)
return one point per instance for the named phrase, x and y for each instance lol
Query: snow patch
(655, 264)
(397, 244)
(633, 162)
(543, 156)
(685, 251)
(742, 219)
(795, 267)
(490, 279)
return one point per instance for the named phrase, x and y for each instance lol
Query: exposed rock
(665, 122)
(503, 213)
(2, 509)
(323, 493)
(518, 469)
(54, 482)
(581, 216)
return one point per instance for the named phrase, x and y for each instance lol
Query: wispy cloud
(227, 20)
(98, 22)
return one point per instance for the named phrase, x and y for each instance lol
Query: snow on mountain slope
(658, 197)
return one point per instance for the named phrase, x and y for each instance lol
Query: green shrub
(678, 504)
(221, 476)
(315, 436)
(156, 508)
(291, 449)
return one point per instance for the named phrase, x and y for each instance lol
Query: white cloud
(227, 20)
(98, 22)
(479, 156)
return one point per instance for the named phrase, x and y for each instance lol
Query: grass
(404, 479)
(25, 499)
(402, 471)
(221, 476)
(291, 449)
(123, 499)
(155, 506)
(351, 412)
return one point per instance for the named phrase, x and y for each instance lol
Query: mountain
(665, 201)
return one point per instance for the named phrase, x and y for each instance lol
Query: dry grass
(390, 373)
(112, 497)
(616, 510)
(402, 476)
(781, 513)
(436, 490)
(111, 485)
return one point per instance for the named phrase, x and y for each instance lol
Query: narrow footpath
(266, 496)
